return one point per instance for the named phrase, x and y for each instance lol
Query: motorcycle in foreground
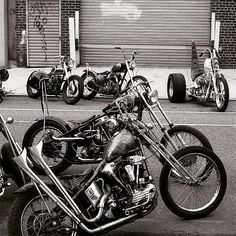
(120, 189)
(209, 84)
(84, 142)
(110, 82)
(60, 81)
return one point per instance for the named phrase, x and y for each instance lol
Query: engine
(125, 187)
(101, 131)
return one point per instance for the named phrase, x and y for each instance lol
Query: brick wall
(20, 26)
(68, 8)
(225, 11)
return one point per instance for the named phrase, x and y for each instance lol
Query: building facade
(162, 31)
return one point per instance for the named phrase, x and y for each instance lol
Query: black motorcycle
(60, 81)
(112, 81)
(84, 142)
(3, 77)
(8, 168)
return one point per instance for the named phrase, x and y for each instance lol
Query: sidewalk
(16, 84)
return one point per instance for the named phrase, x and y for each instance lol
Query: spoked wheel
(184, 136)
(222, 99)
(53, 151)
(72, 90)
(88, 79)
(196, 198)
(31, 215)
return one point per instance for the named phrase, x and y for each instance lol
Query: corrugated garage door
(43, 33)
(161, 30)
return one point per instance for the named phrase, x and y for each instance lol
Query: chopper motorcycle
(120, 189)
(208, 84)
(112, 81)
(84, 142)
(60, 81)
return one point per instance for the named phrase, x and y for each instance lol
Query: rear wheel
(222, 100)
(33, 86)
(72, 90)
(33, 215)
(176, 88)
(54, 152)
(194, 198)
(89, 79)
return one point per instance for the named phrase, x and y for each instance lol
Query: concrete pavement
(16, 84)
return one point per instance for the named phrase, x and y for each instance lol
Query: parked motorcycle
(3, 77)
(84, 142)
(120, 189)
(8, 167)
(60, 81)
(112, 81)
(208, 84)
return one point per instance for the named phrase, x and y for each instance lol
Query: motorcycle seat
(107, 72)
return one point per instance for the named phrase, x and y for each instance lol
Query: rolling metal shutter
(161, 30)
(43, 21)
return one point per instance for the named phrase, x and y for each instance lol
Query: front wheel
(72, 90)
(33, 215)
(222, 99)
(176, 88)
(54, 152)
(184, 136)
(196, 198)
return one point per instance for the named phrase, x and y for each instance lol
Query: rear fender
(27, 187)
(53, 118)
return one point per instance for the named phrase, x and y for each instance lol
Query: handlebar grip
(201, 54)
(117, 47)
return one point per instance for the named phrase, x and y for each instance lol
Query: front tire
(194, 199)
(222, 100)
(185, 136)
(54, 152)
(72, 90)
(176, 88)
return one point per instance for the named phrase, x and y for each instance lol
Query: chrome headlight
(153, 97)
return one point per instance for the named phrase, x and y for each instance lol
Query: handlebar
(123, 51)
(211, 51)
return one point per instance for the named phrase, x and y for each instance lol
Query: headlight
(153, 97)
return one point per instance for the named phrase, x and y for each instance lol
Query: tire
(32, 92)
(176, 88)
(72, 90)
(28, 213)
(222, 100)
(173, 187)
(51, 149)
(87, 93)
(190, 135)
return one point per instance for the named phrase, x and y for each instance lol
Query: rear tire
(87, 93)
(176, 88)
(32, 92)
(72, 90)
(52, 150)
(182, 196)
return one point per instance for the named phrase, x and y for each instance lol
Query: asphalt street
(220, 129)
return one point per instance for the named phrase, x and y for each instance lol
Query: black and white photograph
(118, 117)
